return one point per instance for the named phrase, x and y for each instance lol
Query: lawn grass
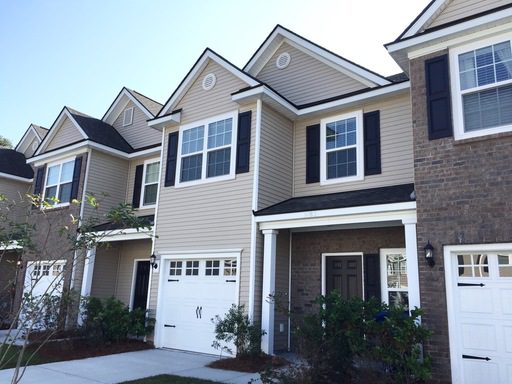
(168, 379)
(9, 357)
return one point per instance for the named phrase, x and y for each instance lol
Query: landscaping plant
(236, 329)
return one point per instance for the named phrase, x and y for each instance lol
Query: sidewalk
(113, 369)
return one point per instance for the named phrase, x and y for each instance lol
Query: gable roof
(148, 106)
(90, 128)
(14, 163)
(426, 15)
(38, 131)
(280, 34)
(194, 72)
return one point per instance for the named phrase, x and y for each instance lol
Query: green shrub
(110, 320)
(236, 328)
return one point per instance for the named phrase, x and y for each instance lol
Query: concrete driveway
(128, 366)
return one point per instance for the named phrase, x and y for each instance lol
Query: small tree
(28, 228)
(5, 142)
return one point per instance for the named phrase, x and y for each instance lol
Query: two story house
(116, 159)
(458, 56)
(290, 177)
(16, 178)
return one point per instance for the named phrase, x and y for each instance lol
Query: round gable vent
(283, 60)
(35, 144)
(209, 81)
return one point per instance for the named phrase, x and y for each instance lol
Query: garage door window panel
(175, 268)
(192, 268)
(212, 267)
(229, 267)
(473, 265)
(505, 265)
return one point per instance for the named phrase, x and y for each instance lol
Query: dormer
(31, 139)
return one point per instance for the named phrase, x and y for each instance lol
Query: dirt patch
(249, 363)
(72, 349)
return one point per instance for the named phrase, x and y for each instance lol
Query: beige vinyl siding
(107, 181)
(458, 9)
(66, 134)
(129, 251)
(276, 159)
(137, 134)
(131, 182)
(199, 104)
(306, 79)
(396, 150)
(15, 192)
(282, 291)
(104, 278)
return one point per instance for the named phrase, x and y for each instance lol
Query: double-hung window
(206, 150)
(59, 181)
(394, 281)
(341, 148)
(150, 182)
(482, 82)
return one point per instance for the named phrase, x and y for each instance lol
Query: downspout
(254, 228)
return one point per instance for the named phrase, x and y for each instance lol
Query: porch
(336, 243)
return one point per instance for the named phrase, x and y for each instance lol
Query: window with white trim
(150, 180)
(395, 287)
(58, 182)
(206, 150)
(128, 116)
(482, 87)
(341, 148)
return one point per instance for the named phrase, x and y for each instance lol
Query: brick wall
(307, 249)
(462, 190)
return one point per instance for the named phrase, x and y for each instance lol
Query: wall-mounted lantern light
(152, 261)
(429, 254)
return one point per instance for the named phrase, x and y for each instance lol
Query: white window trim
(456, 93)
(143, 184)
(125, 123)
(384, 290)
(203, 180)
(359, 149)
(48, 166)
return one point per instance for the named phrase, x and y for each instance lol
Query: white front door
(480, 316)
(195, 291)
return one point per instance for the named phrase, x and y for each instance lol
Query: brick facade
(307, 249)
(462, 197)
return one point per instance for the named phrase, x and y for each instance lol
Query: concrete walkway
(128, 366)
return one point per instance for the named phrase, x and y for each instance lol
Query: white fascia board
(200, 65)
(113, 112)
(15, 178)
(320, 53)
(264, 91)
(62, 115)
(165, 121)
(446, 32)
(123, 235)
(424, 18)
(352, 215)
(25, 135)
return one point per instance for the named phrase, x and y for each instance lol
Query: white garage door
(195, 291)
(481, 321)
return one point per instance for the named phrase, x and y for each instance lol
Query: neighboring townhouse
(82, 156)
(458, 56)
(291, 177)
(15, 182)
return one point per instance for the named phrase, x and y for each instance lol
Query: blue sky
(81, 53)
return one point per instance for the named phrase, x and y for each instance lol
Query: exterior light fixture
(429, 254)
(152, 261)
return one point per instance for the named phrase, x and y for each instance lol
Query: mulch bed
(249, 363)
(72, 349)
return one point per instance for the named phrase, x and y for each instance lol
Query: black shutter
(313, 154)
(372, 276)
(139, 169)
(172, 159)
(243, 143)
(439, 110)
(371, 122)
(39, 182)
(76, 177)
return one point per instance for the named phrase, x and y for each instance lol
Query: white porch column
(411, 250)
(269, 287)
(88, 272)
